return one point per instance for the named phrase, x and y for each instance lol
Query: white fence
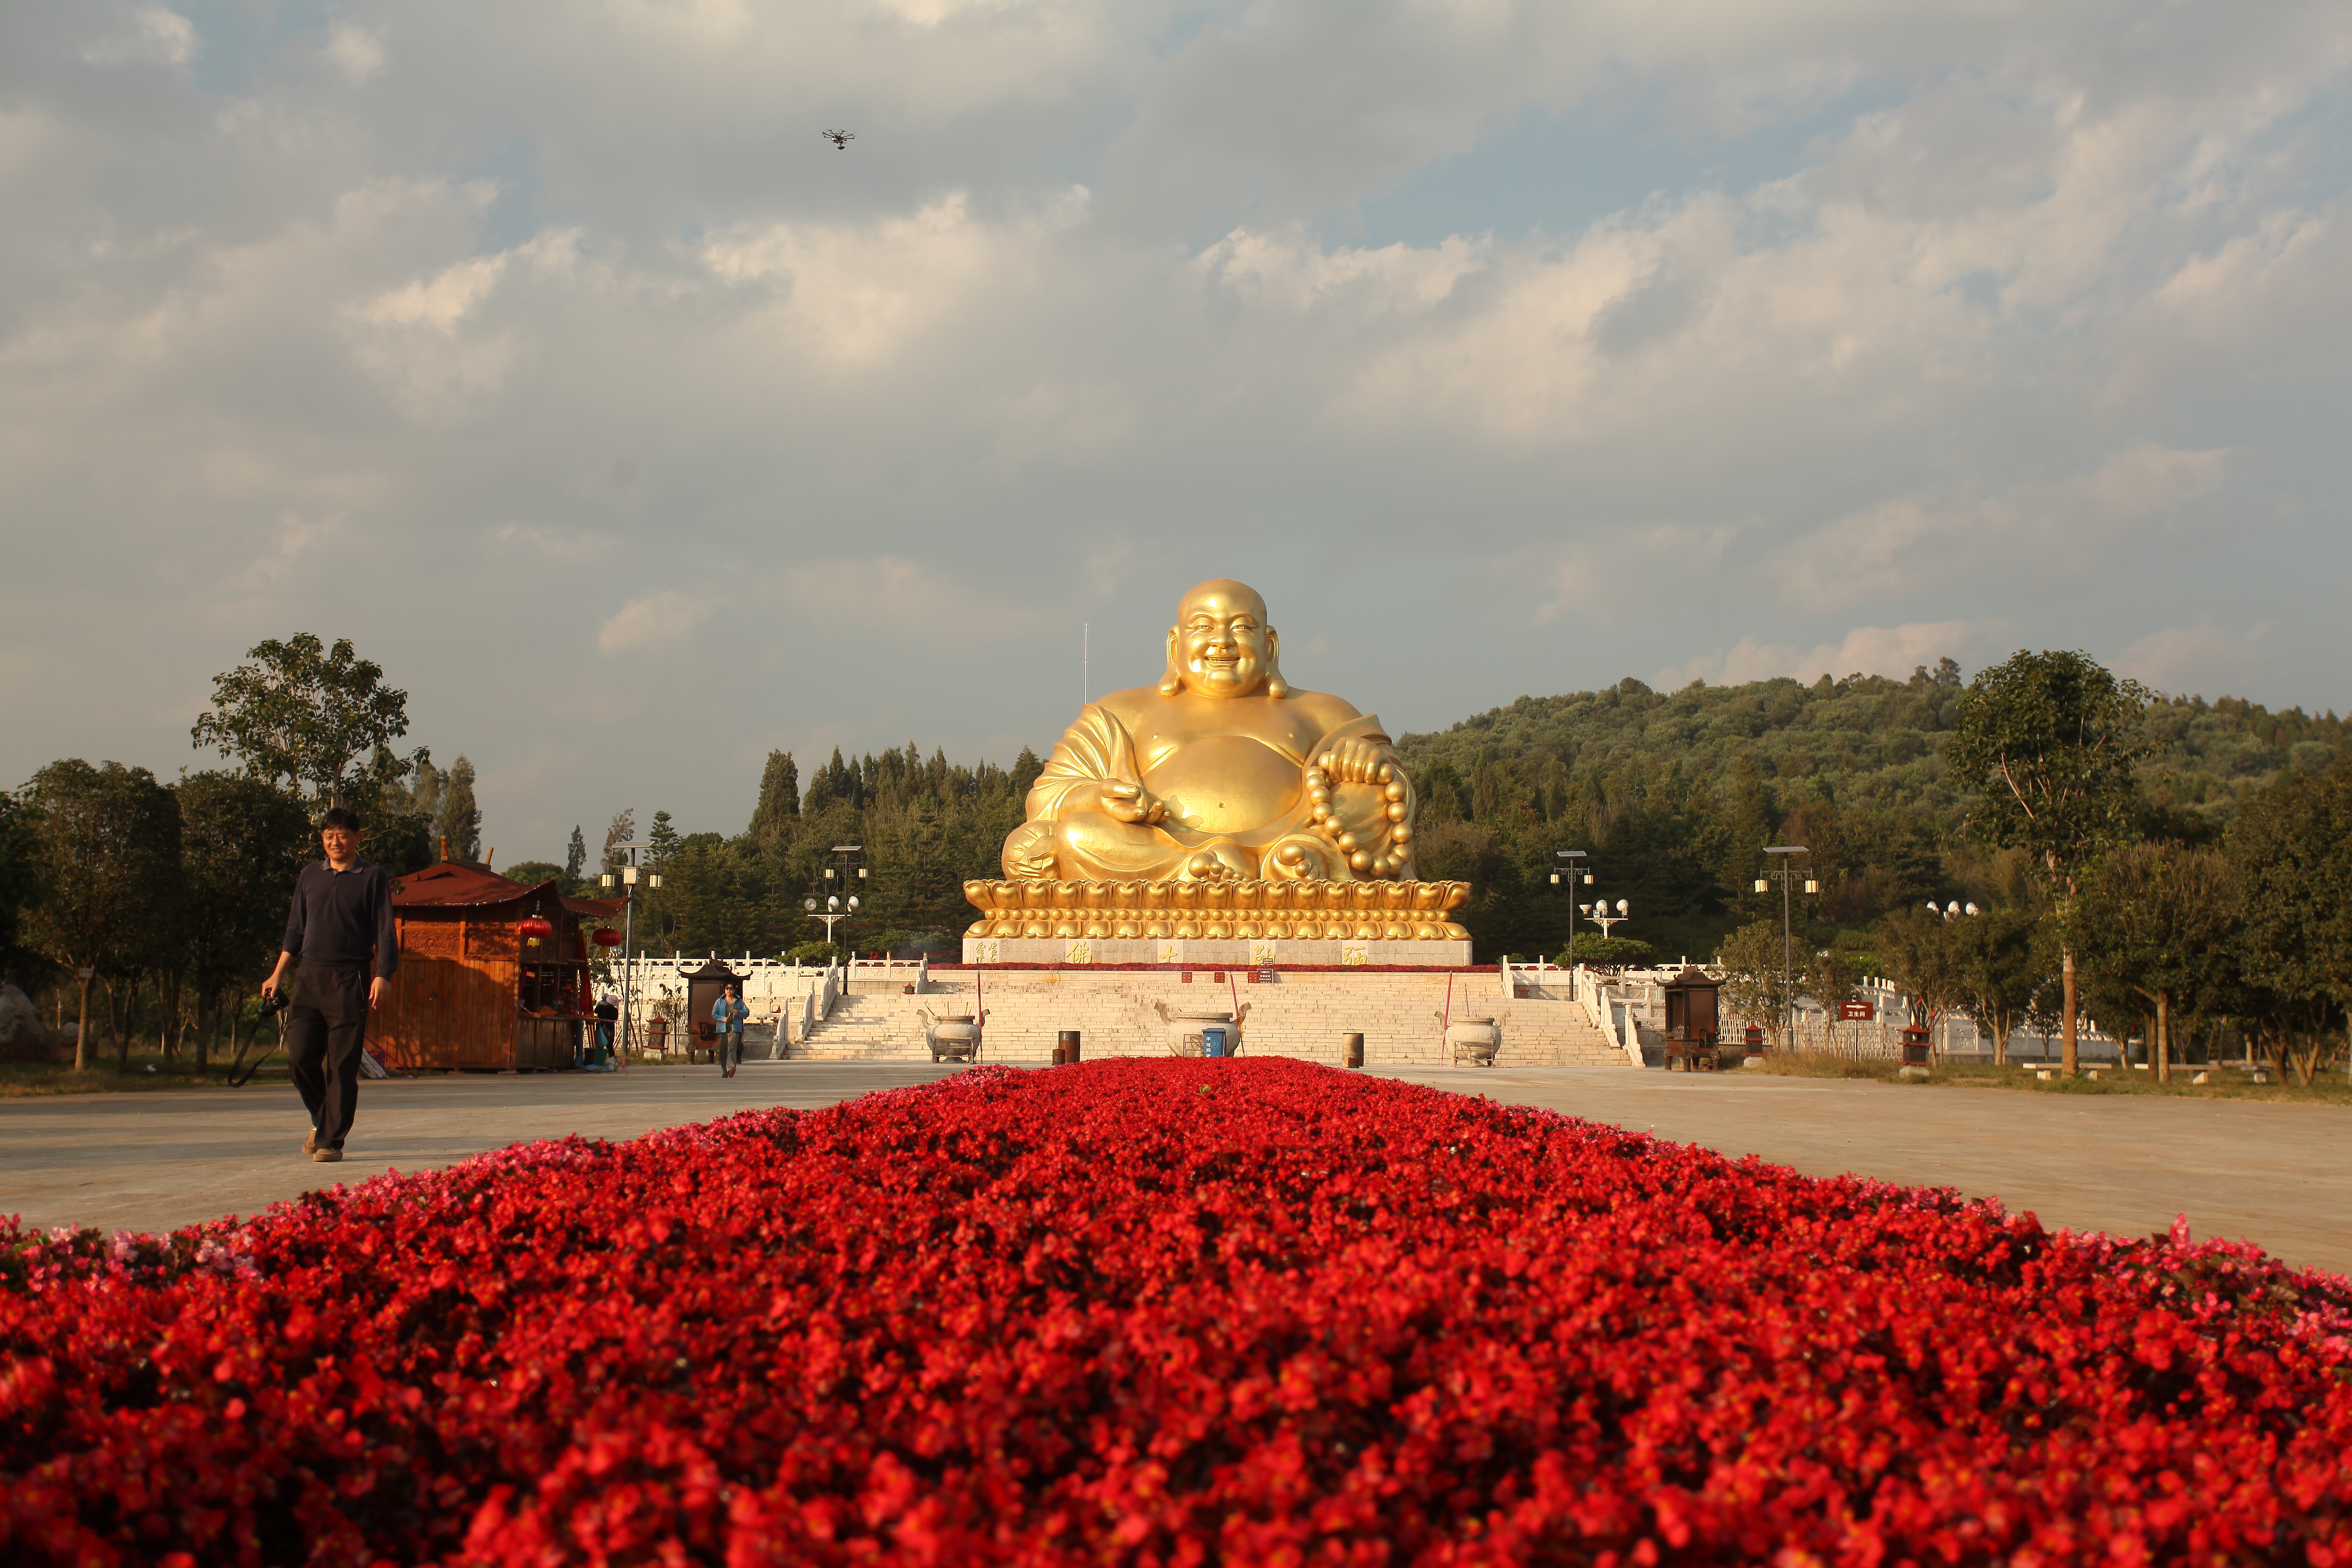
(787, 999)
(1627, 1003)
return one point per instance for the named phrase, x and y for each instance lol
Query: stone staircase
(1301, 1014)
(865, 1028)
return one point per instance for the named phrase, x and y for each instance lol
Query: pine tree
(424, 792)
(623, 830)
(1486, 795)
(460, 820)
(1025, 769)
(575, 857)
(779, 797)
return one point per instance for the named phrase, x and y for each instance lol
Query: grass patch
(2228, 1083)
(20, 1079)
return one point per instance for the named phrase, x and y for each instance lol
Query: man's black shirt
(344, 917)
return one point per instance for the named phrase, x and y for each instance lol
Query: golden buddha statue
(1223, 771)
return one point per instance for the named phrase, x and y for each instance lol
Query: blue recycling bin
(1212, 1042)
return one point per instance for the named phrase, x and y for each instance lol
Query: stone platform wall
(1239, 952)
(1302, 1014)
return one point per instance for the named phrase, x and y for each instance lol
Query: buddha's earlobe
(1275, 685)
(1172, 681)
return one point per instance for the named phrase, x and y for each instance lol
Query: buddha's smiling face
(1223, 643)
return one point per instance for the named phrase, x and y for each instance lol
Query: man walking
(728, 1013)
(340, 930)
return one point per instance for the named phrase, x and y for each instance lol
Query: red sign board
(1859, 1012)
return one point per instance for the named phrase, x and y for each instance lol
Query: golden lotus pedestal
(1224, 923)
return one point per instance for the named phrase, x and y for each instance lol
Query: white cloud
(1894, 651)
(2184, 659)
(357, 51)
(441, 301)
(1857, 335)
(154, 34)
(2061, 530)
(660, 619)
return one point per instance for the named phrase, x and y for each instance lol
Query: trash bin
(1351, 1050)
(1066, 1051)
(1213, 1041)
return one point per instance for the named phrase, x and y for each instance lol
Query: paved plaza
(2277, 1175)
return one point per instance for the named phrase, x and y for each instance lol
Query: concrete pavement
(2277, 1175)
(157, 1162)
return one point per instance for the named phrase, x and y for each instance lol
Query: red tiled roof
(454, 883)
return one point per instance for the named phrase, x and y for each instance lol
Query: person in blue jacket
(728, 1013)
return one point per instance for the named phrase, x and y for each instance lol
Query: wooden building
(482, 986)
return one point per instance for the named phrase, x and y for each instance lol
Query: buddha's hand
(1129, 802)
(1359, 761)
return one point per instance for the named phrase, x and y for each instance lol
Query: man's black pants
(325, 1028)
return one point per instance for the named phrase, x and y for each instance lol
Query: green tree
(1440, 794)
(1998, 962)
(20, 887)
(107, 849)
(1754, 982)
(243, 841)
(2051, 740)
(576, 855)
(424, 790)
(1923, 954)
(2290, 856)
(303, 712)
(399, 837)
(1608, 952)
(1832, 974)
(2156, 921)
(621, 830)
(780, 798)
(1486, 788)
(460, 822)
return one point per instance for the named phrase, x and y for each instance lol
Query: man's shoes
(327, 1154)
(311, 1141)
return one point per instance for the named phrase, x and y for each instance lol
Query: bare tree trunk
(81, 1027)
(130, 1022)
(2160, 1067)
(2066, 1015)
(169, 1025)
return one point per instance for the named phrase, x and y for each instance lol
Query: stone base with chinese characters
(1217, 952)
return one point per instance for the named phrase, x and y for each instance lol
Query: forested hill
(1673, 795)
(1863, 738)
(1675, 792)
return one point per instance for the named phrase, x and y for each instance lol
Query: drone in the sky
(840, 139)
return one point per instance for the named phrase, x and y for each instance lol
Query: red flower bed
(1161, 1312)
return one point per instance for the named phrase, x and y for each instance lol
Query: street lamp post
(1575, 871)
(839, 903)
(627, 878)
(1783, 874)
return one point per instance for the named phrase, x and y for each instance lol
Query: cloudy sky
(547, 352)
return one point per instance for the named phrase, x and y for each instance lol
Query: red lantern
(607, 937)
(536, 928)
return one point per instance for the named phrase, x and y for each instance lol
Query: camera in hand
(275, 1002)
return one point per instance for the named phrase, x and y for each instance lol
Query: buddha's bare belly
(1226, 783)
